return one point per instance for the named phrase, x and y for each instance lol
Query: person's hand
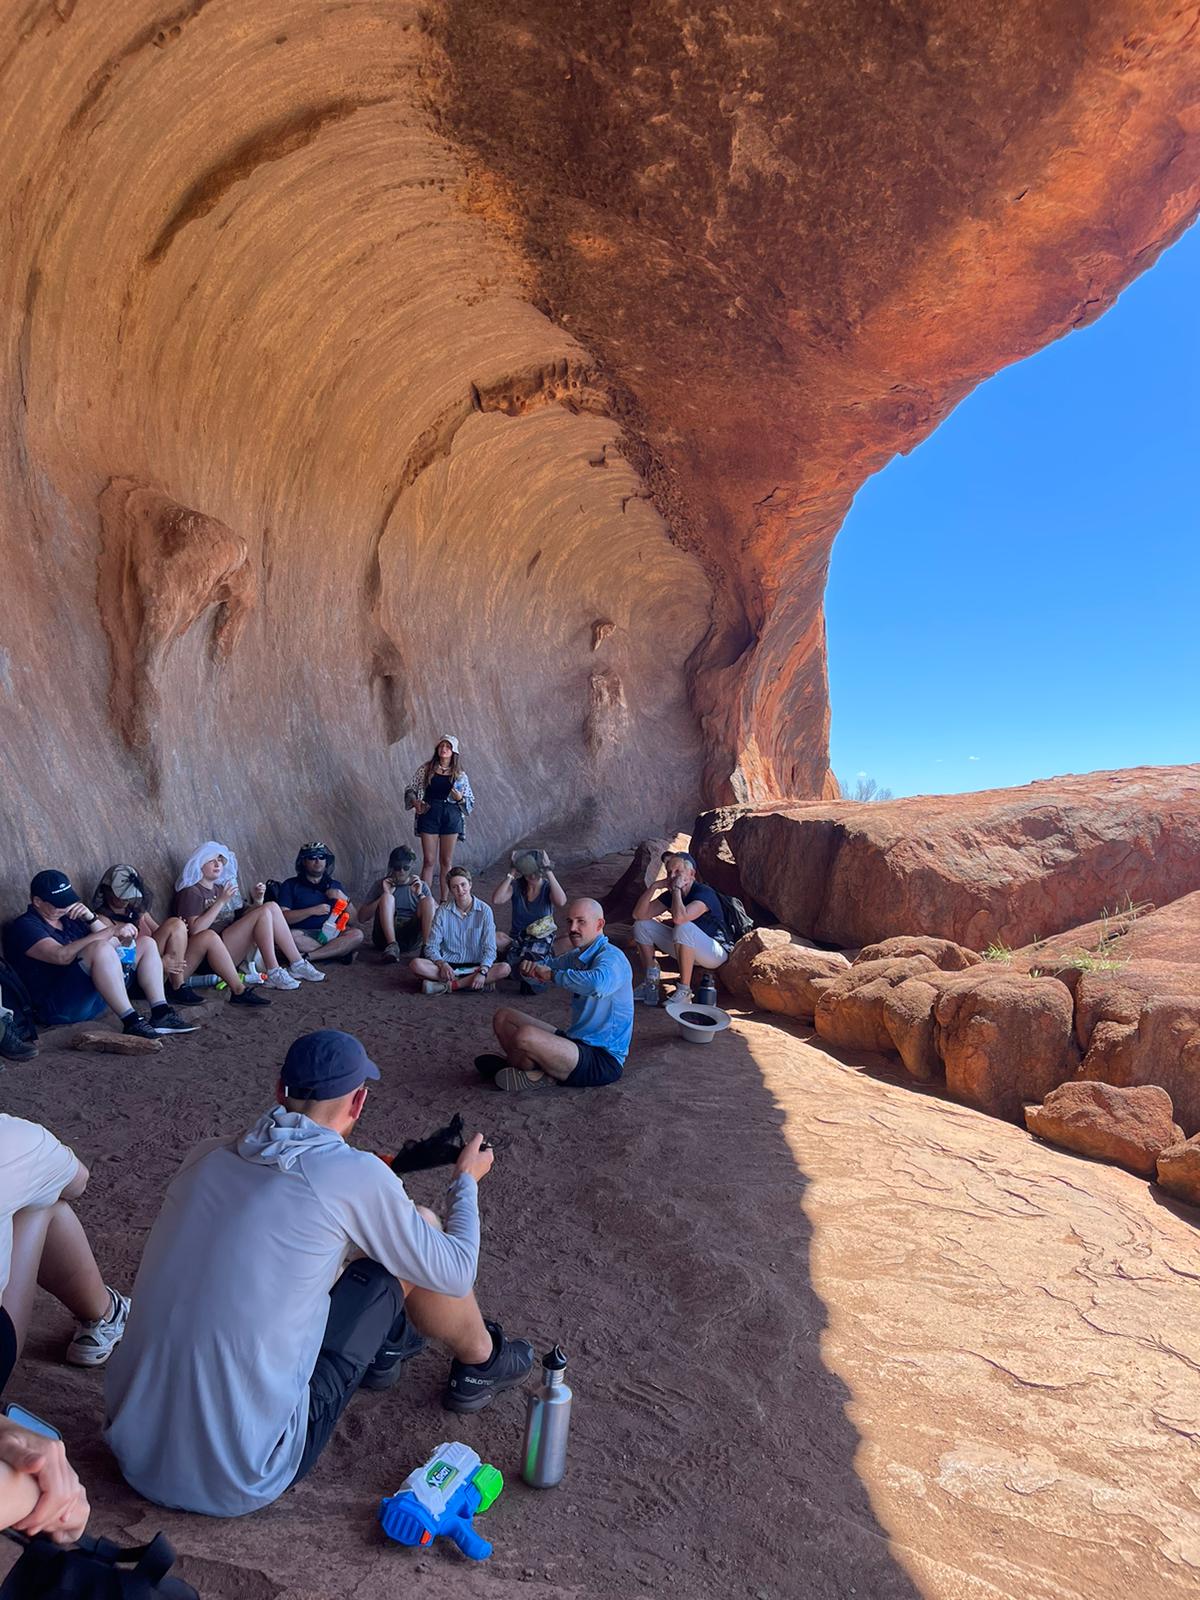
(547, 864)
(78, 912)
(258, 894)
(474, 1160)
(125, 930)
(176, 970)
(62, 1508)
(389, 883)
(445, 972)
(478, 981)
(535, 971)
(421, 807)
(225, 893)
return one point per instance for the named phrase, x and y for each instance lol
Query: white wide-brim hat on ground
(698, 1024)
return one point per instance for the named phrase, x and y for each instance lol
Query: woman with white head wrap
(208, 899)
(440, 794)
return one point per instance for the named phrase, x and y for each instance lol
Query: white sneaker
(277, 978)
(94, 1342)
(683, 994)
(431, 986)
(305, 969)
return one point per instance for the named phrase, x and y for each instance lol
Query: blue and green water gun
(440, 1499)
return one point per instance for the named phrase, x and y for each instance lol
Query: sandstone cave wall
(374, 369)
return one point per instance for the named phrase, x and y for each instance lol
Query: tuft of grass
(998, 951)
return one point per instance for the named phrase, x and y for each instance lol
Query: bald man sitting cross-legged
(592, 1051)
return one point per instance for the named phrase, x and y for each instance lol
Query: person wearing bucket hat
(440, 794)
(310, 898)
(398, 907)
(247, 1339)
(67, 958)
(534, 893)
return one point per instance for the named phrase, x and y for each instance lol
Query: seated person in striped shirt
(460, 952)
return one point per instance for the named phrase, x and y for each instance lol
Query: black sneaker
(138, 1028)
(12, 1046)
(168, 1021)
(183, 996)
(249, 997)
(470, 1388)
(488, 1066)
(385, 1369)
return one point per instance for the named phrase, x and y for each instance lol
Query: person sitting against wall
(398, 907)
(71, 962)
(440, 794)
(690, 925)
(534, 893)
(122, 896)
(593, 1048)
(309, 899)
(460, 952)
(207, 896)
(42, 1244)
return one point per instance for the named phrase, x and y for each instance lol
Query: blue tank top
(526, 911)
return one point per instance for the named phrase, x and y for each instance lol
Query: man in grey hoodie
(242, 1350)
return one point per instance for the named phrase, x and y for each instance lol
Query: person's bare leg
(172, 941)
(538, 1050)
(503, 940)
(497, 971)
(425, 914)
(446, 843)
(251, 931)
(48, 1250)
(208, 946)
(106, 972)
(422, 967)
(686, 958)
(149, 970)
(281, 933)
(508, 1020)
(429, 851)
(457, 1323)
(341, 946)
(385, 915)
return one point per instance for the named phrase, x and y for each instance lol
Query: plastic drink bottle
(206, 980)
(127, 950)
(652, 986)
(547, 1422)
(706, 994)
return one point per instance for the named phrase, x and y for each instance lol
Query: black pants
(366, 1313)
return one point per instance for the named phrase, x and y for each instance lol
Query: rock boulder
(850, 1010)
(789, 978)
(1131, 1127)
(1005, 1039)
(1179, 1170)
(735, 974)
(944, 953)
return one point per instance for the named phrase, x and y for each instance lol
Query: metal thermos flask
(547, 1421)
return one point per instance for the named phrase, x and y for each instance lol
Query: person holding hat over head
(247, 1339)
(399, 907)
(67, 958)
(308, 900)
(440, 794)
(534, 893)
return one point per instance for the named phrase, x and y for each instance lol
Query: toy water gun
(438, 1501)
(336, 922)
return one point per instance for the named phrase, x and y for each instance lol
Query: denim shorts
(443, 817)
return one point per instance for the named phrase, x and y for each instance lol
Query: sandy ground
(829, 1336)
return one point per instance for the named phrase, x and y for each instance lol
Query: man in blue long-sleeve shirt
(592, 1050)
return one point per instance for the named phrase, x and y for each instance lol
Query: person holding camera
(690, 925)
(440, 794)
(250, 1333)
(399, 907)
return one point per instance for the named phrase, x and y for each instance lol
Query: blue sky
(1020, 597)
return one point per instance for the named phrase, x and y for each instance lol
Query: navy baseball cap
(325, 1065)
(54, 887)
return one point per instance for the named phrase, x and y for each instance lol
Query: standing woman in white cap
(440, 794)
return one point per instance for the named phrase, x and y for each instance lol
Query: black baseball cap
(325, 1065)
(53, 886)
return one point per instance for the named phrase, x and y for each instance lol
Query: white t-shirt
(35, 1168)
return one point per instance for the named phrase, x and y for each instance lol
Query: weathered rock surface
(1005, 1039)
(908, 1017)
(735, 974)
(1178, 1170)
(789, 978)
(944, 953)
(1131, 1127)
(850, 1010)
(1136, 981)
(1009, 865)
(381, 369)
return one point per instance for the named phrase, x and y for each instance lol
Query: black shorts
(408, 935)
(595, 1067)
(8, 1348)
(366, 1312)
(444, 817)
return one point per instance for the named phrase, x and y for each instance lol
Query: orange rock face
(1131, 1127)
(1010, 865)
(380, 370)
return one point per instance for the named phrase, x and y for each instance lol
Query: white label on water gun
(447, 1469)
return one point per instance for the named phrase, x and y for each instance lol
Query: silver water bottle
(547, 1421)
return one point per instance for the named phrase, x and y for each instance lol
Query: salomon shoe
(470, 1388)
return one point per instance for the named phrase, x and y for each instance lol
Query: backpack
(15, 996)
(738, 922)
(92, 1570)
